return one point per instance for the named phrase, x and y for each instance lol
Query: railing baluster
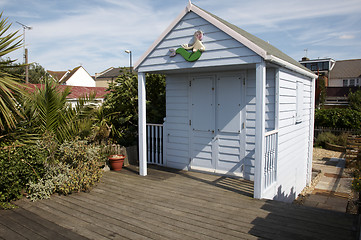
(155, 143)
(270, 157)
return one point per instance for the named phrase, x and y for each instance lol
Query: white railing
(155, 144)
(270, 158)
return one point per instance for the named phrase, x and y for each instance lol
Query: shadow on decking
(233, 184)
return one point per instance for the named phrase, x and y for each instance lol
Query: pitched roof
(346, 69)
(57, 75)
(113, 72)
(76, 91)
(259, 46)
(71, 73)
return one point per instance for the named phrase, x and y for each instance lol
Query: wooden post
(311, 133)
(26, 66)
(260, 129)
(142, 122)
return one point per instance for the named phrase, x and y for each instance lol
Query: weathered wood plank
(170, 204)
(220, 207)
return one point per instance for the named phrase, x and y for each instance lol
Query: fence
(270, 158)
(336, 131)
(353, 150)
(155, 144)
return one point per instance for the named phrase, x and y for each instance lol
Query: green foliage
(36, 72)
(328, 137)
(155, 88)
(78, 151)
(10, 87)
(78, 170)
(356, 182)
(48, 112)
(322, 86)
(338, 118)
(121, 105)
(354, 99)
(19, 165)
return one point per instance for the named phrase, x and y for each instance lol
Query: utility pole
(25, 51)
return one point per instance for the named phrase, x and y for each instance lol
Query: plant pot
(116, 162)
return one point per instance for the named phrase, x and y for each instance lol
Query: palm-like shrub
(10, 87)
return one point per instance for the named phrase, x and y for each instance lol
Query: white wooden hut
(243, 108)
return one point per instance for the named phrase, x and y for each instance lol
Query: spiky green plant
(10, 87)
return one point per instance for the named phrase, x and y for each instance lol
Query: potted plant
(116, 162)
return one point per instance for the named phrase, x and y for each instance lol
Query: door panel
(202, 104)
(228, 104)
(216, 121)
(202, 122)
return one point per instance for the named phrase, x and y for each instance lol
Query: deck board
(170, 204)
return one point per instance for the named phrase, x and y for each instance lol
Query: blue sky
(94, 33)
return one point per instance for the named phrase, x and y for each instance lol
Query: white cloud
(346, 36)
(66, 33)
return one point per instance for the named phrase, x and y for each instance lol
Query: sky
(96, 33)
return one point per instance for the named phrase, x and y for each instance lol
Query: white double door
(217, 123)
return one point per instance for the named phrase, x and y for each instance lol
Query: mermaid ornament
(197, 48)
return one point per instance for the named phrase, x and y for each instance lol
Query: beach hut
(235, 105)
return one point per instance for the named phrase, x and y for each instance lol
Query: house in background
(108, 76)
(77, 92)
(76, 77)
(322, 68)
(346, 73)
(240, 107)
(342, 77)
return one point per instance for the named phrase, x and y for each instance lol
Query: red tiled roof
(76, 91)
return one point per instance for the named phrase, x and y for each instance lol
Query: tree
(354, 99)
(121, 105)
(37, 73)
(48, 112)
(10, 88)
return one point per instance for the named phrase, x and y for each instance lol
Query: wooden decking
(170, 204)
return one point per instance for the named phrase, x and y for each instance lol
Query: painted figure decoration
(197, 48)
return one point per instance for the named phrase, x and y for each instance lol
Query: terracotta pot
(116, 162)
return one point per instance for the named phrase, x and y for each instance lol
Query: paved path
(333, 187)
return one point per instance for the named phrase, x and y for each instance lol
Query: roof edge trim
(290, 66)
(159, 39)
(261, 52)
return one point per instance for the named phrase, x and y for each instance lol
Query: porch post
(260, 129)
(311, 133)
(142, 133)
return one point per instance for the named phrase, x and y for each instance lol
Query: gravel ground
(319, 154)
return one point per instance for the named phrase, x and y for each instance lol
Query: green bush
(328, 137)
(78, 169)
(338, 118)
(19, 165)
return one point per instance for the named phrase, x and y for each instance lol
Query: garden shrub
(78, 169)
(19, 164)
(328, 137)
(338, 118)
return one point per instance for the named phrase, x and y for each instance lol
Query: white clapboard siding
(221, 49)
(177, 122)
(251, 115)
(293, 136)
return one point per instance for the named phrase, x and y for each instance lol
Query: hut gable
(225, 43)
(221, 48)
